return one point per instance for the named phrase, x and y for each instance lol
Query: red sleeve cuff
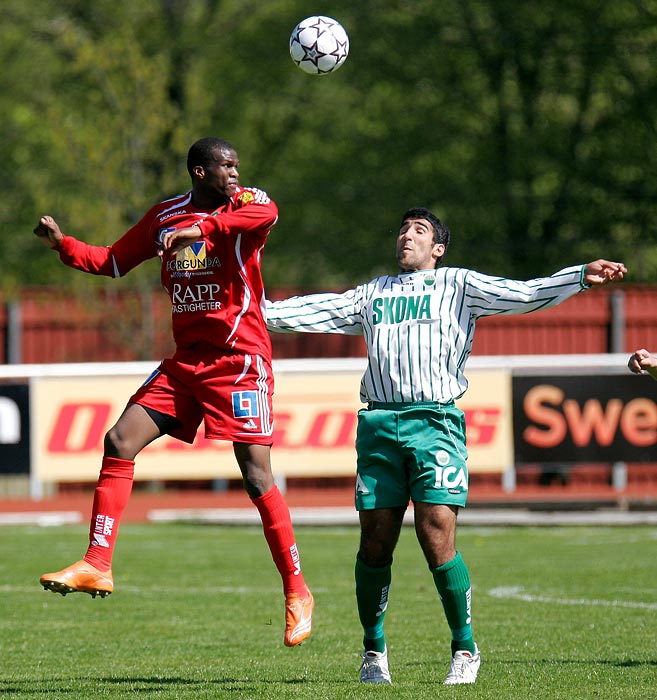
(65, 245)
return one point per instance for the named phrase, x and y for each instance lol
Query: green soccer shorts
(410, 451)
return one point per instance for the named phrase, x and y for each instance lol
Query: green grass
(198, 613)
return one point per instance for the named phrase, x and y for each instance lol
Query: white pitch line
(516, 593)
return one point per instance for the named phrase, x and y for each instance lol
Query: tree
(526, 131)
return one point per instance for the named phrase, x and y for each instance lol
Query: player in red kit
(220, 372)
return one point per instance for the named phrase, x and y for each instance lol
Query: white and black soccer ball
(319, 45)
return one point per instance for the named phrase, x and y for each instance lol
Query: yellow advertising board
(489, 420)
(315, 428)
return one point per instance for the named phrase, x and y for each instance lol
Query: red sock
(110, 499)
(277, 526)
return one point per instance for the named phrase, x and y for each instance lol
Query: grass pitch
(559, 613)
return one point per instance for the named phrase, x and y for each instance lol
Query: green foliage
(528, 132)
(559, 613)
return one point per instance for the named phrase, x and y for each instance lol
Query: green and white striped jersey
(419, 326)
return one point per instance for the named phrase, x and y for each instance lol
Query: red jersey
(215, 285)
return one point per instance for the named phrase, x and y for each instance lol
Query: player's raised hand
(603, 271)
(48, 231)
(176, 240)
(643, 362)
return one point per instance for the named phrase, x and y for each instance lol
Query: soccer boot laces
(464, 667)
(374, 668)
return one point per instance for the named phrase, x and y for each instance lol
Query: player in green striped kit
(410, 443)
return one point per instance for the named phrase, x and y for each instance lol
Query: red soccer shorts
(230, 392)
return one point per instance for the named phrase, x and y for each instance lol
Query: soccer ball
(319, 45)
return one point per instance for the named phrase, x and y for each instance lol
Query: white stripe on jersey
(419, 326)
(181, 200)
(247, 290)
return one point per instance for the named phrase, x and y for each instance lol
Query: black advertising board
(585, 418)
(14, 429)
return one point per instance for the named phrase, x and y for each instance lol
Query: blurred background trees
(529, 128)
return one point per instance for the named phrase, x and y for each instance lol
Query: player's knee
(115, 446)
(257, 482)
(376, 555)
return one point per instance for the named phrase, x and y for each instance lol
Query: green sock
(372, 586)
(453, 583)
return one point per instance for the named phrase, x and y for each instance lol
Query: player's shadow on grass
(618, 663)
(174, 680)
(411, 666)
(141, 684)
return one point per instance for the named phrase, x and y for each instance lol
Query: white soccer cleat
(464, 667)
(374, 668)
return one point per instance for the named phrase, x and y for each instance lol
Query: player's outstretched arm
(642, 362)
(603, 271)
(48, 231)
(134, 247)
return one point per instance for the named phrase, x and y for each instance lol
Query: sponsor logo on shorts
(245, 404)
(454, 479)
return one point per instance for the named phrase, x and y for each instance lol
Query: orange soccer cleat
(79, 577)
(298, 618)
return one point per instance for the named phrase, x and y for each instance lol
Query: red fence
(54, 327)
(49, 326)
